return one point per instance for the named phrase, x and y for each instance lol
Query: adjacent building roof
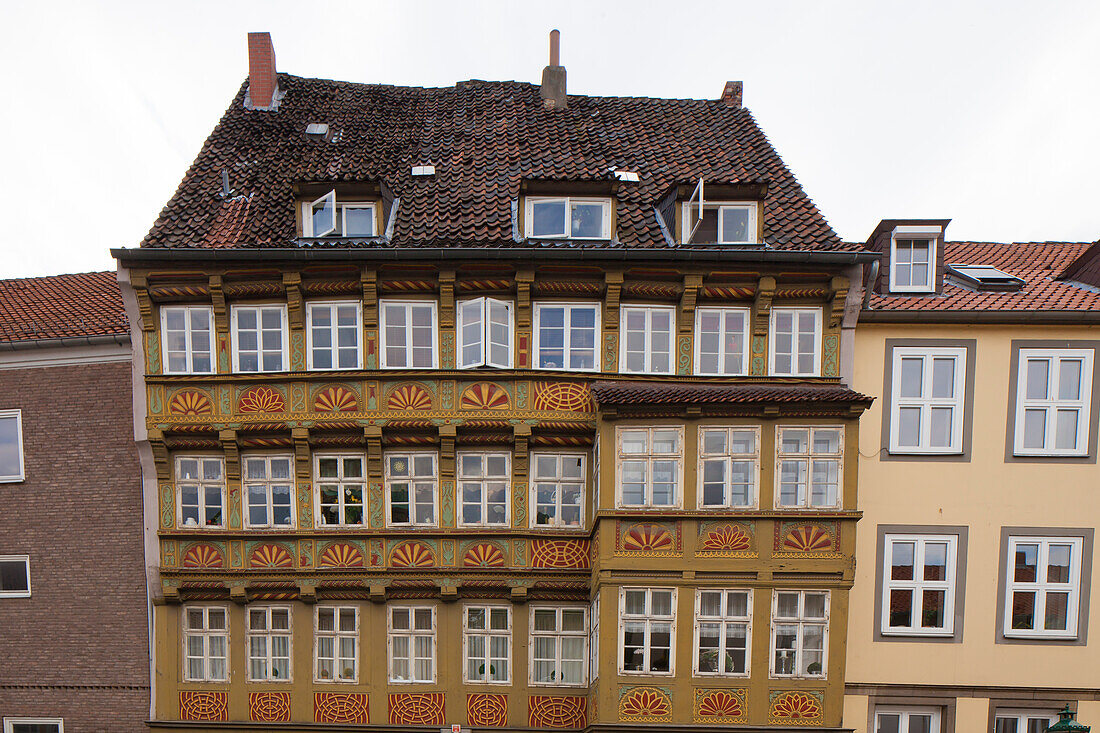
(484, 138)
(649, 393)
(61, 306)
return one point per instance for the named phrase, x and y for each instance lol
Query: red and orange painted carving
(714, 706)
(269, 707)
(204, 706)
(261, 399)
(270, 557)
(483, 555)
(794, 706)
(416, 708)
(335, 399)
(562, 396)
(412, 554)
(340, 555)
(645, 703)
(648, 538)
(340, 707)
(409, 397)
(487, 709)
(560, 554)
(203, 556)
(808, 538)
(190, 402)
(484, 396)
(552, 711)
(726, 538)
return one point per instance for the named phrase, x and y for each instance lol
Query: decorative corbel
(765, 291)
(448, 592)
(217, 301)
(160, 455)
(377, 593)
(228, 439)
(140, 284)
(446, 299)
(292, 281)
(368, 279)
(524, 279)
(447, 436)
(238, 594)
(692, 283)
(307, 592)
(373, 435)
(521, 435)
(613, 283)
(519, 594)
(838, 296)
(300, 436)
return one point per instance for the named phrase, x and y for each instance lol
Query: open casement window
(411, 642)
(809, 467)
(201, 487)
(721, 336)
(336, 644)
(487, 644)
(333, 335)
(408, 330)
(11, 446)
(1043, 588)
(269, 637)
(729, 467)
(187, 332)
(341, 496)
(723, 632)
(650, 466)
(926, 409)
(34, 725)
(794, 346)
(907, 720)
(1024, 721)
(647, 339)
(559, 641)
(567, 217)
(719, 221)
(483, 480)
(647, 622)
(557, 489)
(259, 338)
(269, 486)
(800, 633)
(566, 336)
(327, 217)
(206, 644)
(15, 576)
(693, 212)
(484, 333)
(1053, 402)
(918, 589)
(594, 643)
(411, 485)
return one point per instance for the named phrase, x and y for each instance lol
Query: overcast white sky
(982, 112)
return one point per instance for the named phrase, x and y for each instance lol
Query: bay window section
(340, 490)
(201, 487)
(800, 633)
(649, 466)
(566, 336)
(259, 338)
(729, 463)
(269, 486)
(333, 334)
(411, 641)
(487, 643)
(483, 489)
(795, 342)
(484, 333)
(557, 489)
(559, 637)
(810, 467)
(723, 628)
(411, 484)
(205, 644)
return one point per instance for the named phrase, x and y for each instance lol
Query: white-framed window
(11, 446)
(721, 341)
(1053, 402)
(200, 482)
(594, 644)
(408, 334)
(1042, 594)
(800, 633)
(809, 467)
(647, 623)
(737, 223)
(912, 264)
(259, 338)
(412, 480)
(333, 335)
(327, 217)
(567, 336)
(927, 390)
(15, 576)
(483, 488)
(646, 342)
(559, 645)
(907, 720)
(205, 644)
(336, 644)
(34, 725)
(411, 641)
(557, 489)
(729, 467)
(918, 588)
(728, 222)
(794, 348)
(485, 333)
(1023, 721)
(723, 632)
(188, 334)
(487, 644)
(341, 489)
(269, 643)
(568, 217)
(269, 486)
(650, 466)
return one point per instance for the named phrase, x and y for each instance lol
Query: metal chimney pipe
(555, 37)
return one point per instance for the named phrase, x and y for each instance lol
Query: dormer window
(328, 217)
(721, 216)
(568, 217)
(737, 224)
(913, 259)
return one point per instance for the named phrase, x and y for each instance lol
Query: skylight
(984, 277)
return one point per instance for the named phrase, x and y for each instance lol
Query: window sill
(918, 635)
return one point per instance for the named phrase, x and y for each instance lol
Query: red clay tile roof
(1037, 263)
(484, 138)
(648, 393)
(61, 306)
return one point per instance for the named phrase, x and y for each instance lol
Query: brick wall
(77, 648)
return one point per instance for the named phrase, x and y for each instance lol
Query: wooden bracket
(446, 298)
(838, 297)
(448, 592)
(377, 593)
(524, 278)
(447, 436)
(765, 291)
(160, 455)
(307, 593)
(692, 283)
(238, 594)
(217, 301)
(613, 283)
(368, 278)
(300, 436)
(292, 281)
(519, 594)
(228, 439)
(521, 436)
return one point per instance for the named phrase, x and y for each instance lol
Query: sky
(982, 112)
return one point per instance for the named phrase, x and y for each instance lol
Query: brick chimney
(263, 83)
(553, 77)
(731, 95)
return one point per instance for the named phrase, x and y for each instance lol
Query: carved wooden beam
(292, 281)
(228, 439)
(613, 280)
(521, 435)
(446, 298)
(687, 303)
(300, 436)
(140, 284)
(447, 435)
(765, 291)
(217, 301)
(838, 295)
(160, 455)
(368, 278)
(524, 278)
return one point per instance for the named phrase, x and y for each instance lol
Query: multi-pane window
(15, 576)
(326, 217)
(336, 641)
(483, 488)
(1023, 721)
(728, 467)
(566, 217)
(559, 637)
(11, 445)
(269, 485)
(647, 339)
(201, 487)
(649, 466)
(594, 644)
(647, 618)
(411, 631)
(333, 336)
(912, 265)
(723, 626)
(1054, 391)
(809, 467)
(340, 490)
(907, 720)
(1044, 582)
(484, 333)
(259, 338)
(34, 725)
(188, 335)
(557, 489)
(411, 480)
(918, 589)
(800, 633)
(721, 335)
(269, 643)
(927, 407)
(205, 644)
(566, 336)
(487, 643)
(408, 334)
(795, 343)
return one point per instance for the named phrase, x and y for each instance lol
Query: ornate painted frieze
(416, 708)
(713, 706)
(487, 710)
(554, 711)
(801, 707)
(645, 704)
(807, 539)
(340, 707)
(647, 539)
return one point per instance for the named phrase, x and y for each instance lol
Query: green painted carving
(519, 503)
(298, 397)
(305, 505)
(371, 390)
(447, 359)
(830, 366)
(370, 359)
(447, 501)
(519, 552)
(683, 359)
(167, 507)
(297, 351)
(156, 400)
(448, 552)
(521, 395)
(305, 554)
(225, 399)
(223, 354)
(759, 364)
(234, 508)
(376, 502)
(152, 352)
(447, 395)
(168, 554)
(611, 352)
(236, 553)
(377, 553)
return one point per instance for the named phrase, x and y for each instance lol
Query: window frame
(809, 458)
(649, 310)
(343, 483)
(558, 634)
(333, 305)
(460, 501)
(1042, 587)
(532, 489)
(594, 639)
(284, 331)
(529, 217)
(716, 206)
(388, 480)
(917, 234)
(202, 484)
(722, 620)
(905, 712)
(801, 621)
(189, 352)
(949, 585)
(1023, 715)
(205, 633)
(488, 632)
(26, 560)
(22, 475)
(383, 303)
(340, 228)
(649, 618)
(1052, 405)
(391, 633)
(728, 457)
(724, 313)
(10, 723)
(336, 634)
(818, 330)
(649, 457)
(268, 481)
(268, 633)
(567, 348)
(928, 354)
(751, 228)
(484, 340)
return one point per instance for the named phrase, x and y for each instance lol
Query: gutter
(110, 340)
(1070, 318)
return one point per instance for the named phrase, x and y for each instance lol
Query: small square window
(329, 216)
(187, 334)
(15, 576)
(913, 265)
(11, 446)
(408, 334)
(568, 218)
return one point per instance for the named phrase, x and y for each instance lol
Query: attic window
(913, 259)
(568, 217)
(984, 277)
(327, 217)
(719, 222)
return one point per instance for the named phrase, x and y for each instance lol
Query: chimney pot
(555, 38)
(731, 95)
(263, 82)
(553, 77)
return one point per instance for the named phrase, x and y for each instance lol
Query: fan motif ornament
(411, 554)
(335, 399)
(261, 399)
(190, 402)
(483, 555)
(270, 557)
(808, 538)
(409, 397)
(794, 706)
(726, 538)
(340, 556)
(203, 556)
(487, 709)
(712, 706)
(648, 538)
(484, 396)
(650, 704)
